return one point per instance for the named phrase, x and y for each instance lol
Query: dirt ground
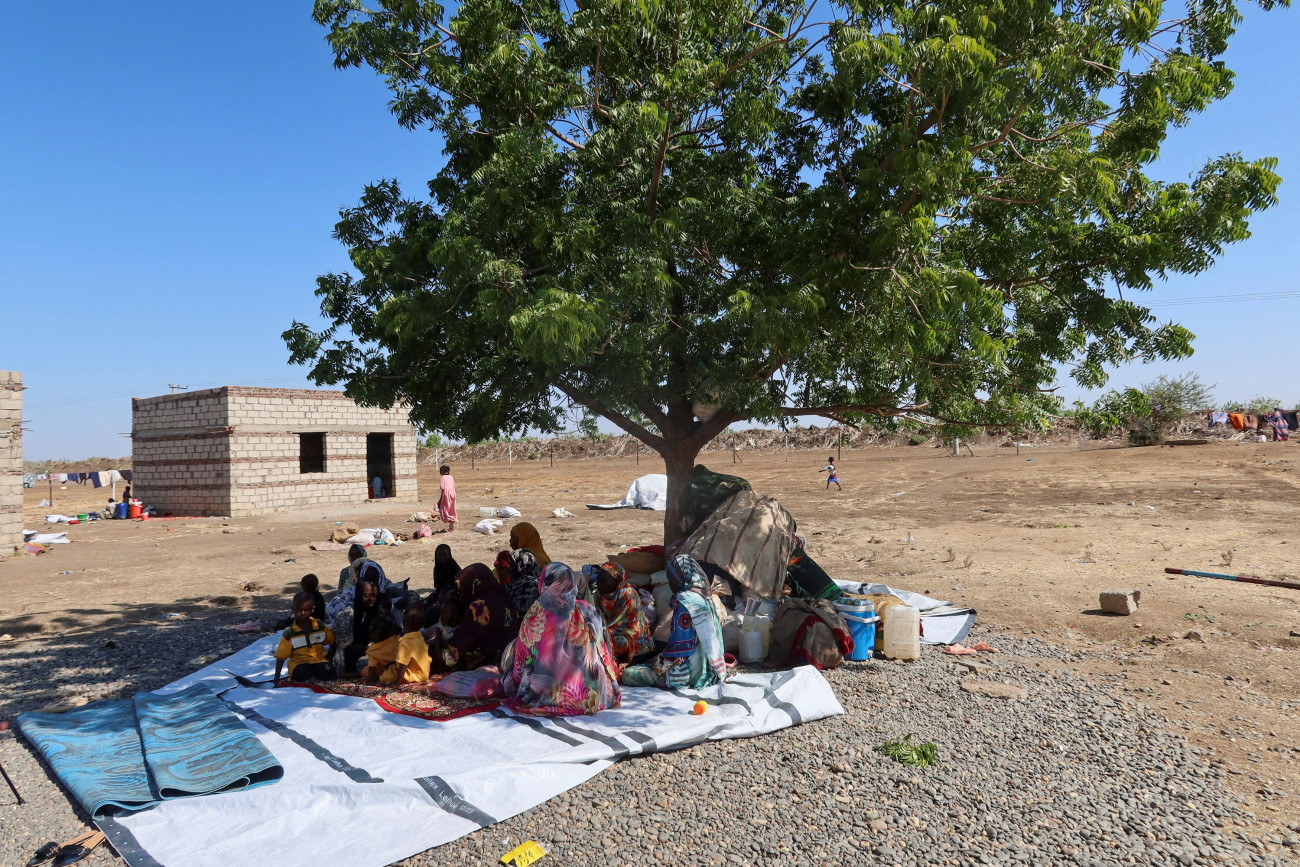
(1027, 539)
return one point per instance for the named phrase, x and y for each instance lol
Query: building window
(311, 453)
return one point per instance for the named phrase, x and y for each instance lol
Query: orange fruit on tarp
(700, 707)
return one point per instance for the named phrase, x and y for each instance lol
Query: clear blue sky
(170, 174)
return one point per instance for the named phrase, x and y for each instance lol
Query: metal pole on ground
(552, 454)
(510, 454)
(12, 787)
(787, 447)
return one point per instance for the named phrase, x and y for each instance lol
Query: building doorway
(379, 464)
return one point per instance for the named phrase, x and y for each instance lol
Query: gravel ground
(1077, 772)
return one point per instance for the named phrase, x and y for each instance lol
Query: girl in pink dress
(447, 498)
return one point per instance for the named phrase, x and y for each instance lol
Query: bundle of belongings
(746, 543)
(749, 546)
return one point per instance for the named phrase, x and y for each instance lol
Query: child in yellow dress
(381, 652)
(412, 662)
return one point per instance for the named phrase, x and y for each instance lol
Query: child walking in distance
(447, 497)
(308, 644)
(834, 475)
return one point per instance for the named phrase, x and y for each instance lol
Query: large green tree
(679, 215)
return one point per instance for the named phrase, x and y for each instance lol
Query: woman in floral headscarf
(693, 658)
(562, 662)
(620, 605)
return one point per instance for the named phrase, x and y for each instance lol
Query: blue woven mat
(116, 756)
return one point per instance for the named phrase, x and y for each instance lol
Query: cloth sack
(705, 492)
(750, 537)
(344, 532)
(481, 683)
(808, 632)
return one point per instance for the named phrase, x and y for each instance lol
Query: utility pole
(175, 388)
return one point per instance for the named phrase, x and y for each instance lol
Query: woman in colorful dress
(694, 657)
(1281, 430)
(562, 663)
(625, 619)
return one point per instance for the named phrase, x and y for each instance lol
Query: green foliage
(586, 426)
(433, 441)
(682, 215)
(1172, 398)
(1145, 411)
(1114, 409)
(907, 753)
(1257, 405)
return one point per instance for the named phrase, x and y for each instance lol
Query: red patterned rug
(412, 699)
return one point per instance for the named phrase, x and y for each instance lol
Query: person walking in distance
(832, 474)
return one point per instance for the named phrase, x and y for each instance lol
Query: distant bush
(1146, 436)
(1151, 408)
(1257, 405)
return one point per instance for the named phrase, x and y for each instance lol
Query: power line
(1225, 299)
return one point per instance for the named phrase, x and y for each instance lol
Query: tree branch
(598, 406)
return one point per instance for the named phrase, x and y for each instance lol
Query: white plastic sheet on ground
(647, 492)
(46, 538)
(366, 787)
(941, 622)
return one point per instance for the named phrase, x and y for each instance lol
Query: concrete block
(1123, 602)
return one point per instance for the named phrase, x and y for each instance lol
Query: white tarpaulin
(941, 622)
(647, 492)
(351, 768)
(46, 538)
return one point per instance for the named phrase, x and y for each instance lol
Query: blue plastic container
(859, 615)
(119, 511)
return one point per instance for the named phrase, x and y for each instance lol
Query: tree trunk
(679, 458)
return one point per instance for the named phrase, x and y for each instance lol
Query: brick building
(246, 451)
(11, 461)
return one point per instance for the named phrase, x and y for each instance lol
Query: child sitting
(382, 650)
(412, 662)
(437, 635)
(307, 644)
(310, 585)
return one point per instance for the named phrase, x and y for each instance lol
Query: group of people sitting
(561, 641)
